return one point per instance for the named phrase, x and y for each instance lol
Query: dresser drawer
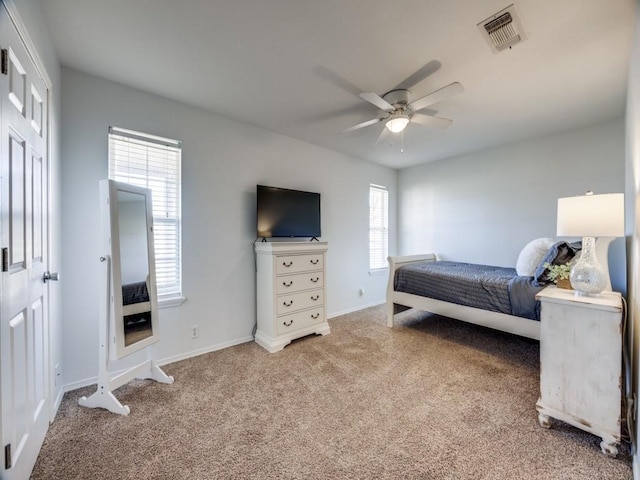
(286, 304)
(299, 263)
(297, 321)
(300, 281)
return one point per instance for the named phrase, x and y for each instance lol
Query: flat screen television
(287, 213)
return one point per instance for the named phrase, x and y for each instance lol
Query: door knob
(50, 276)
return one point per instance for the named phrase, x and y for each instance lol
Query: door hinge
(5, 61)
(5, 259)
(7, 456)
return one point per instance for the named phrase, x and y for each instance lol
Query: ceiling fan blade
(377, 100)
(383, 135)
(362, 125)
(337, 80)
(438, 95)
(430, 121)
(416, 77)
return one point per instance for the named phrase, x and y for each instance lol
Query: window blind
(154, 162)
(378, 227)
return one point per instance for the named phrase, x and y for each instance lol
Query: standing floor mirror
(129, 307)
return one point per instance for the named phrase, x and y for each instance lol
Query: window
(154, 162)
(378, 227)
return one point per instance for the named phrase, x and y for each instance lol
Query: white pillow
(531, 256)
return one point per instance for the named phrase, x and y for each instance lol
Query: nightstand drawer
(296, 321)
(300, 281)
(299, 263)
(286, 304)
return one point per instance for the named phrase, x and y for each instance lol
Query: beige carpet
(431, 399)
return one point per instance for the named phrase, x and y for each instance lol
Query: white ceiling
(296, 66)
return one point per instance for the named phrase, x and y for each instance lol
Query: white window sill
(379, 271)
(170, 302)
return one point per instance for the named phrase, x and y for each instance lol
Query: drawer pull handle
(288, 304)
(287, 324)
(314, 316)
(287, 284)
(315, 280)
(315, 297)
(314, 261)
(287, 264)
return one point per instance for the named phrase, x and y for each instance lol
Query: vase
(587, 277)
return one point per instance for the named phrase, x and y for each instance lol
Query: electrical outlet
(194, 331)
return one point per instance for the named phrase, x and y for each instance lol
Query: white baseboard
(69, 387)
(57, 402)
(163, 361)
(354, 309)
(202, 351)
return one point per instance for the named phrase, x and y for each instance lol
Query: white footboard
(394, 307)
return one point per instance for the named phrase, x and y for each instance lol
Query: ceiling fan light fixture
(397, 123)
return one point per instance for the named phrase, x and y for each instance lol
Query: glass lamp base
(587, 276)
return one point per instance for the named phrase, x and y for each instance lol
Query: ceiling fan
(396, 111)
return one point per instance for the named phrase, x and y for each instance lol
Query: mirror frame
(111, 226)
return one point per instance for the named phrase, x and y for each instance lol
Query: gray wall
(485, 206)
(223, 160)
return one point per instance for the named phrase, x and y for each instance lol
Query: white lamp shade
(591, 216)
(398, 123)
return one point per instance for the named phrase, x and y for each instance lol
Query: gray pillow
(559, 253)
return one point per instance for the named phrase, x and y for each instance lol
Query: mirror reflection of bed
(136, 310)
(136, 306)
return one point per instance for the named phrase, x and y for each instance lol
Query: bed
(501, 298)
(136, 305)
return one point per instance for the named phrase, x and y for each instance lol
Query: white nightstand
(581, 363)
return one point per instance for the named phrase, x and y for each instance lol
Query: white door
(24, 213)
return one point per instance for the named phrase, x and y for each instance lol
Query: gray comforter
(497, 289)
(134, 293)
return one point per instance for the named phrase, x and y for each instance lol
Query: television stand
(314, 238)
(290, 292)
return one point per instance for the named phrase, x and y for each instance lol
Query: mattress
(497, 289)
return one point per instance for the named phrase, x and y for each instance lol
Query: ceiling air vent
(503, 29)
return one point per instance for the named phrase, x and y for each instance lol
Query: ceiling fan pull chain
(402, 141)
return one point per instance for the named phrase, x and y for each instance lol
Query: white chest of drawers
(291, 292)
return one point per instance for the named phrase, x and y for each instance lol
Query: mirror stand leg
(104, 399)
(157, 374)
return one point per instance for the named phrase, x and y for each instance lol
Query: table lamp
(590, 216)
